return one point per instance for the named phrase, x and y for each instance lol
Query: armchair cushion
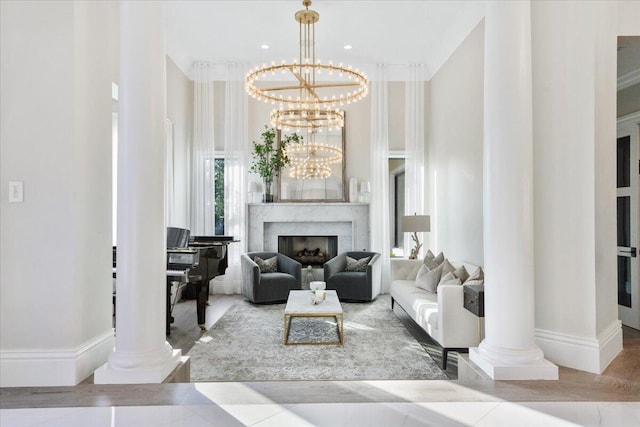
(269, 265)
(357, 264)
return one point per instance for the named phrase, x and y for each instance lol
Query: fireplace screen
(309, 250)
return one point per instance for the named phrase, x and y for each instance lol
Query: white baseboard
(586, 354)
(54, 368)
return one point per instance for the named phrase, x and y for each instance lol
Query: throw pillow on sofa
(432, 261)
(429, 255)
(357, 264)
(478, 274)
(439, 258)
(450, 279)
(269, 265)
(428, 279)
(446, 268)
(461, 273)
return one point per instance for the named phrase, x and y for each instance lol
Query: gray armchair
(353, 285)
(260, 287)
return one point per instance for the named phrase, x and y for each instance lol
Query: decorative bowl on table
(317, 285)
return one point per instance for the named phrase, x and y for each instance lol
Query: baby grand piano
(204, 258)
(194, 261)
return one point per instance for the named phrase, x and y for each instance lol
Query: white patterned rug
(246, 344)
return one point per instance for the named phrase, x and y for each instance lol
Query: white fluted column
(142, 354)
(509, 350)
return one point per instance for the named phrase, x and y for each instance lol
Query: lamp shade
(365, 187)
(416, 223)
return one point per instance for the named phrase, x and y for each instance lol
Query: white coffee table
(299, 305)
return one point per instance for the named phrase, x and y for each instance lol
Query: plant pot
(267, 197)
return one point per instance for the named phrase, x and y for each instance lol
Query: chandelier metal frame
(301, 103)
(303, 119)
(313, 161)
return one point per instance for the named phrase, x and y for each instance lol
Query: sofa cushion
(449, 279)
(421, 305)
(446, 268)
(429, 255)
(432, 262)
(477, 274)
(357, 264)
(428, 279)
(461, 273)
(269, 265)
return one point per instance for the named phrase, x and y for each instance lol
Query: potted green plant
(269, 157)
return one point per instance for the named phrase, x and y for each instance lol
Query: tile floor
(578, 398)
(240, 404)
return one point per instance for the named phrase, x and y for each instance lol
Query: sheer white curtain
(414, 147)
(202, 218)
(379, 205)
(236, 154)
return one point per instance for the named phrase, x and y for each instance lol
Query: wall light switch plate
(16, 191)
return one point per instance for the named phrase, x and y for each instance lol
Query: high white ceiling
(390, 32)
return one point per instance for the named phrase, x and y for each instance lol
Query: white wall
(454, 152)
(396, 116)
(574, 178)
(180, 112)
(55, 278)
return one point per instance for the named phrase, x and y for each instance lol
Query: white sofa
(442, 315)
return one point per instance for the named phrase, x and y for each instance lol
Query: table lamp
(415, 224)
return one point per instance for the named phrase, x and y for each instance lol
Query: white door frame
(629, 125)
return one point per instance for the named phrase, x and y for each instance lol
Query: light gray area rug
(247, 345)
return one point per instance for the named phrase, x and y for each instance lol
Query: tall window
(218, 189)
(398, 189)
(396, 203)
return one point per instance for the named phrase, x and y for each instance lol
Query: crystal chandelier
(307, 102)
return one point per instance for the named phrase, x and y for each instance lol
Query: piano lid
(211, 240)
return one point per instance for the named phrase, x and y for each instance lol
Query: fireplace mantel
(348, 221)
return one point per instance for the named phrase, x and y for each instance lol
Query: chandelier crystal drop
(307, 97)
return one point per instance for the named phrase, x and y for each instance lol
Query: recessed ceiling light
(348, 46)
(264, 46)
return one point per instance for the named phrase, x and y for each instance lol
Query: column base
(106, 374)
(538, 370)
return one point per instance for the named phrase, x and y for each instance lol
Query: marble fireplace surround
(348, 221)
